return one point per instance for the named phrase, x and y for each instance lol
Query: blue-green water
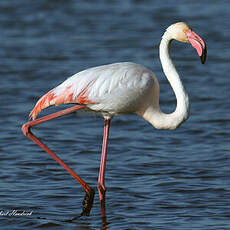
(155, 179)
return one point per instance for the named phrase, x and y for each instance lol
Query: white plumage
(109, 89)
(112, 89)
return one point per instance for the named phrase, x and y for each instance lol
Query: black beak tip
(203, 56)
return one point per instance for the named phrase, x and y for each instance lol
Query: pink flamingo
(116, 89)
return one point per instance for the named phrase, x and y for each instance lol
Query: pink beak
(198, 43)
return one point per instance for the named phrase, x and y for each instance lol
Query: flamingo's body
(110, 89)
(118, 89)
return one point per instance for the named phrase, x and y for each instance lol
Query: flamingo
(116, 89)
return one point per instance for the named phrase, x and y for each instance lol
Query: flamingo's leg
(101, 182)
(88, 200)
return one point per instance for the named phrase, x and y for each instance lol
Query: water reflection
(51, 222)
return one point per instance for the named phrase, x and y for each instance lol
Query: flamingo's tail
(58, 96)
(44, 102)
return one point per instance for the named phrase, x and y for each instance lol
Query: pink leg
(88, 201)
(101, 181)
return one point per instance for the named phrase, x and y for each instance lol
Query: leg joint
(26, 128)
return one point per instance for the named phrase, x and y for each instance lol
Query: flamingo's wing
(100, 87)
(72, 90)
(120, 88)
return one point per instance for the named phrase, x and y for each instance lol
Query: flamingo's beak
(198, 43)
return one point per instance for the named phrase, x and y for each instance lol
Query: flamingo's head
(180, 31)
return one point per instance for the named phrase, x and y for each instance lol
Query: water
(155, 179)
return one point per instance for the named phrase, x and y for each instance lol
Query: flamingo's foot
(87, 203)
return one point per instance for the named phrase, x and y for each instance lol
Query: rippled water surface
(155, 179)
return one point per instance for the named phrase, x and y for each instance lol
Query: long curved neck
(173, 120)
